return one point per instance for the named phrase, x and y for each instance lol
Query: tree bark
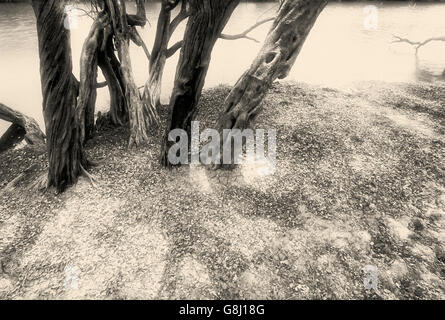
(23, 127)
(64, 143)
(139, 115)
(283, 43)
(160, 52)
(111, 70)
(88, 77)
(206, 22)
(152, 89)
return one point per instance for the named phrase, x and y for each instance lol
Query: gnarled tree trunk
(64, 143)
(283, 43)
(206, 22)
(160, 52)
(111, 69)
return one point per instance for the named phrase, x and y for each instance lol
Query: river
(346, 45)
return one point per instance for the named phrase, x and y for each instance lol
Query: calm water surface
(339, 50)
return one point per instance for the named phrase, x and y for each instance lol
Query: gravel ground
(359, 181)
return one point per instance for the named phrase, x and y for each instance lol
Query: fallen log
(23, 127)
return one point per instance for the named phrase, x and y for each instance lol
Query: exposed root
(41, 183)
(93, 180)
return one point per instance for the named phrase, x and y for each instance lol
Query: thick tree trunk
(23, 127)
(284, 41)
(64, 143)
(206, 22)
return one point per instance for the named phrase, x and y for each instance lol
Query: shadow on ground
(359, 181)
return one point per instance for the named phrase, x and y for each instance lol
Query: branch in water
(417, 44)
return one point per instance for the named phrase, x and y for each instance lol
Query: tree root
(41, 183)
(93, 180)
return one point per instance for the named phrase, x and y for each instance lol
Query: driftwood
(22, 127)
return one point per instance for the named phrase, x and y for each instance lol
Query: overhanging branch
(244, 35)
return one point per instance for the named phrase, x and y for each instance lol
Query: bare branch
(172, 50)
(417, 44)
(182, 15)
(140, 18)
(244, 35)
(137, 39)
(101, 85)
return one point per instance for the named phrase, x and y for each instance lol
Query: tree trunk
(283, 43)
(152, 90)
(23, 127)
(88, 77)
(111, 70)
(64, 143)
(206, 22)
(139, 115)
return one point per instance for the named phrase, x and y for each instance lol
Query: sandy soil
(359, 182)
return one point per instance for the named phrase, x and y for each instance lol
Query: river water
(350, 42)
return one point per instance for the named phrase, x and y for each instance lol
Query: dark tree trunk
(64, 142)
(13, 136)
(284, 41)
(111, 70)
(206, 22)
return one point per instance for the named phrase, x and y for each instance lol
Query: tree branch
(182, 15)
(417, 44)
(172, 50)
(244, 35)
(101, 85)
(137, 39)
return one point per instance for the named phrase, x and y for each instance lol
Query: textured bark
(111, 69)
(88, 77)
(206, 22)
(139, 115)
(283, 43)
(64, 145)
(152, 89)
(23, 127)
